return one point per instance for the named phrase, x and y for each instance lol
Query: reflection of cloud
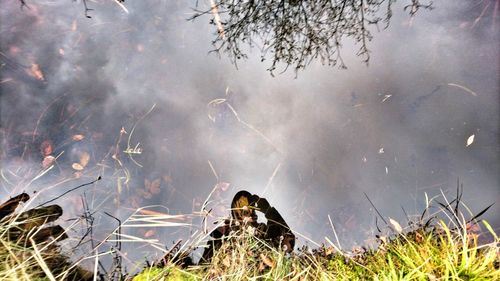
(328, 125)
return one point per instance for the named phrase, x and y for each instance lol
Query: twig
(117, 259)
(75, 188)
(376, 210)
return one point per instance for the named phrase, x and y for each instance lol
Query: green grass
(435, 252)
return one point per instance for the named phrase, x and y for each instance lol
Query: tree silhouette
(296, 32)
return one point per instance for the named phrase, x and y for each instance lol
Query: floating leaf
(84, 159)
(36, 72)
(470, 140)
(46, 148)
(78, 137)
(77, 167)
(149, 233)
(48, 161)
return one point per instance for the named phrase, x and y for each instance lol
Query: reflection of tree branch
(296, 32)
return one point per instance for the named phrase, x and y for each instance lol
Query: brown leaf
(149, 233)
(78, 137)
(153, 186)
(267, 261)
(329, 251)
(84, 159)
(46, 148)
(36, 72)
(48, 161)
(418, 237)
(77, 167)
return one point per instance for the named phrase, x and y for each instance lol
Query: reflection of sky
(322, 134)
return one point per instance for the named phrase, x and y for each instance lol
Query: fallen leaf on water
(48, 161)
(46, 148)
(78, 137)
(84, 159)
(77, 167)
(153, 187)
(36, 72)
(149, 233)
(470, 140)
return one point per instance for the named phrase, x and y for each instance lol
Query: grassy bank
(438, 246)
(436, 252)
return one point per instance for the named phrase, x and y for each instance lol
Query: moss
(170, 273)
